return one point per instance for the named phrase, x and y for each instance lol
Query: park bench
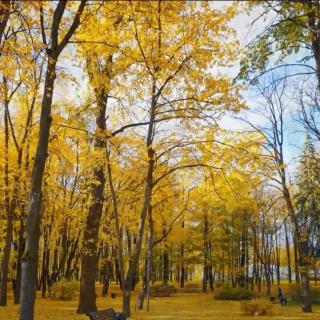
(106, 314)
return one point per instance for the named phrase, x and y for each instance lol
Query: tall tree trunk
(182, 269)
(71, 257)
(315, 271)
(288, 251)
(268, 280)
(304, 266)
(21, 246)
(277, 259)
(87, 299)
(89, 259)
(205, 252)
(30, 256)
(210, 275)
(145, 207)
(145, 290)
(9, 213)
(4, 17)
(118, 275)
(241, 277)
(303, 251)
(106, 276)
(44, 266)
(165, 260)
(254, 269)
(313, 26)
(296, 259)
(116, 219)
(18, 187)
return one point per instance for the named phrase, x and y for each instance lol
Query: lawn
(182, 306)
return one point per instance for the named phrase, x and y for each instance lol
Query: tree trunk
(118, 274)
(30, 256)
(143, 290)
(21, 246)
(296, 259)
(72, 255)
(315, 271)
(54, 269)
(182, 269)
(210, 274)
(241, 277)
(165, 259)
(302, 250)
(313, 25)
(268, 280)
(17, 194)
(87, 299)
(205, 253)
(4, 16)
(144, 210)
(106, 278)
(44, 266)
(116, 219)
(9, 213)
(277, 259)
(304, 264)
(288, 252)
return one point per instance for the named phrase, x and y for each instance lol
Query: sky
(295, 134)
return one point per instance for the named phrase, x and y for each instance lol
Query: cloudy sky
(295, 136)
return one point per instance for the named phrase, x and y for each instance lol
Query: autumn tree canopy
(144, 142)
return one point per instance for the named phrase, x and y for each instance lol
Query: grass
(184, 306)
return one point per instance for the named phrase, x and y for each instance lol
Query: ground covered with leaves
(180, 306)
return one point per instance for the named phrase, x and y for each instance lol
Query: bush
(294, 293)
(230, 293)
(192, 288)
(256, 307)
(219, 284)
(315, 295)
(162, 290)
(64, 290)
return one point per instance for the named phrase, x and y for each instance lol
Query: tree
(197, 96)
(290, 28)
(307, 199)
(4, 17)
(273, 131)
(53, 48)
(102, 66)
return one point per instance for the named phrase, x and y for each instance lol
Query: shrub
(315, 295)
(256, 307)
(192, 288)
(219, 284)
(294, 293)
(230, 293)
(64, 290)
(162, 290)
